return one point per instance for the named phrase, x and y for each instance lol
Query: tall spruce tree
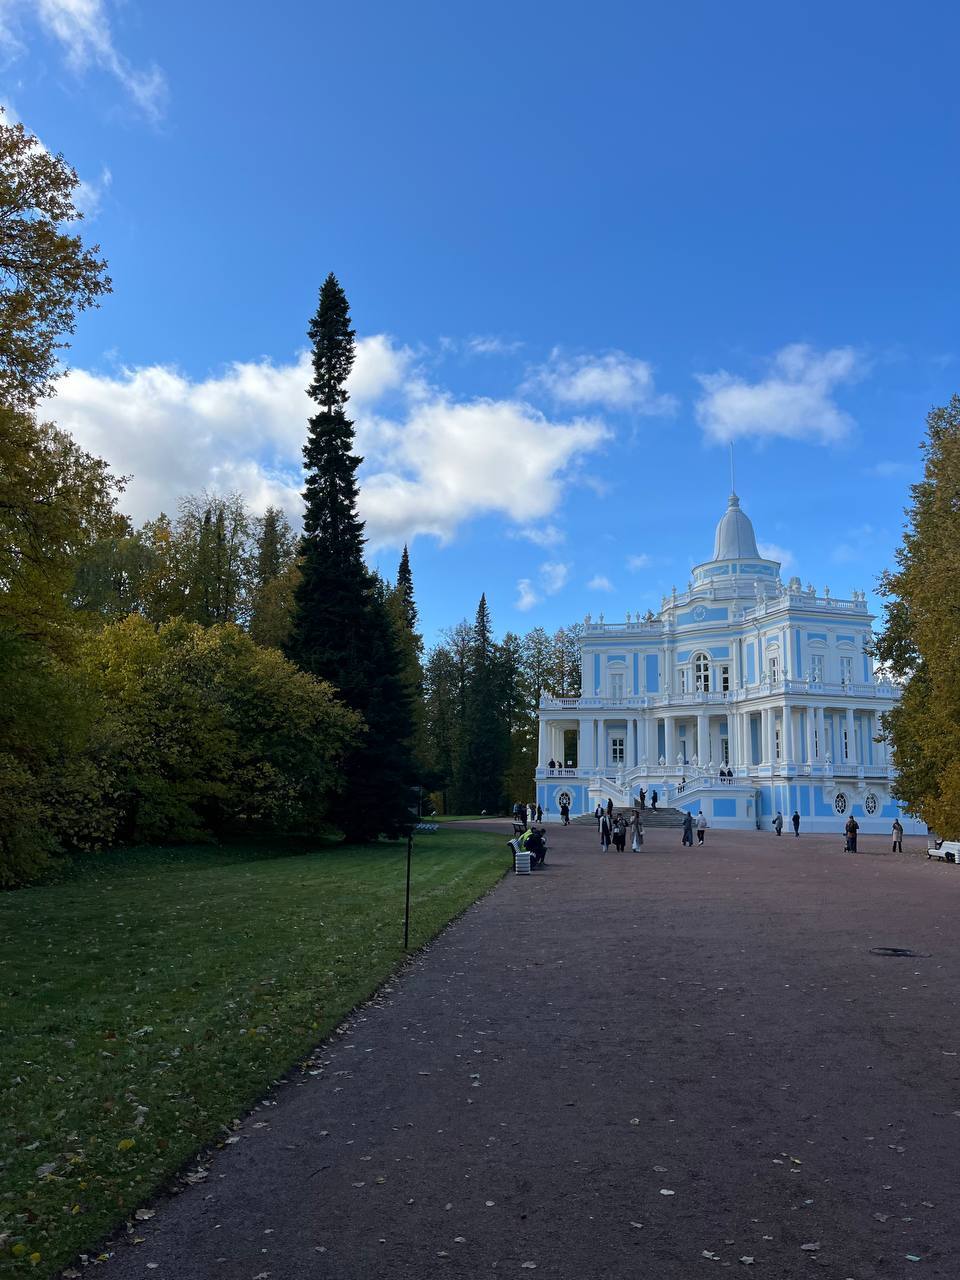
(480, 784)
(341, 630)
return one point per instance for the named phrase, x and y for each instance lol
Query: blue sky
(583, 248)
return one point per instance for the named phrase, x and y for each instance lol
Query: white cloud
(615, 380)
(887, 468)
(857, 545)
(770, 551)
(541, 535)
(526, 596)
(554, 576)
(491, 345)
(82, 27)
(794, 400)
(600, 583)
(430, 462)
(634, 563)
(89, 195)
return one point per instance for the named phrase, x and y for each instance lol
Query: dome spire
(735, 538)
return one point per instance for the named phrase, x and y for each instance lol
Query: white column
(669, 744)
(821, 734)
(585, 758)
(732, 743)
(631, 744)
(851, 737)
(545, 728)
(771, 737)
(650, 737)
(811, 754)
(787, 734)
(703, 739)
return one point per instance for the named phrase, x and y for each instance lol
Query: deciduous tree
(919, 643)
(47, 276)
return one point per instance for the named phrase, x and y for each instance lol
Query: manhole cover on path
(899, 951)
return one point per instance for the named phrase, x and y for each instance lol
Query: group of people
(778, 823)
(613, 829)
(687, 836)
(642, 799)
(529, 813)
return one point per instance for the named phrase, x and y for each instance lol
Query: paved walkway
(656, 1065)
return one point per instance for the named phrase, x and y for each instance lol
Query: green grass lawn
(151, 996)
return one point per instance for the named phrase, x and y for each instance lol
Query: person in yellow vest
(532, 842)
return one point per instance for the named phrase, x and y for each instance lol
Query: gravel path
(656, 1065)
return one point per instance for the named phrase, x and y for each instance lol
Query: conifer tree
(405, 591)
(480, 783)
(341, 631)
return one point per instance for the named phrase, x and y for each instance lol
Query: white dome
(735, 538)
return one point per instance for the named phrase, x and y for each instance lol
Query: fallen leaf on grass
(665, 1191)
(529, 1266)
(813, 1245)
(142, 1215)
(747, 1260)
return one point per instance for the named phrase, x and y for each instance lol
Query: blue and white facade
(744, 696)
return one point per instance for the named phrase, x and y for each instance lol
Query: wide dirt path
(655, 1065)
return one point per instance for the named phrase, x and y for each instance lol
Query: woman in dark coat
(687, 837)
(605, 833)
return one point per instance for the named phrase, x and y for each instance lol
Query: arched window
(701, 673)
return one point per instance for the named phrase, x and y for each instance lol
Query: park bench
(518, 829)
(945, 850)
(521, 859)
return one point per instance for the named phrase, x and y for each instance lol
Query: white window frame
(773, 668)
(701, 672)
(816, 668)
(617, 685)
(776, 743)
(618, 750)
(846, 668)
(846, 744)
(725, 751)
(682, 671)
(725, 678)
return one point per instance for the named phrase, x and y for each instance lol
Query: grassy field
(153, 995)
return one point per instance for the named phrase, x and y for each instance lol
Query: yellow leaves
(126, 1143)
(19, 1250)
(34, 1259)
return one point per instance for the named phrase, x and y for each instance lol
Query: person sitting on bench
(533, 842)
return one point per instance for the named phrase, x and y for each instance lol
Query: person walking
(610, 809)
(897, 834)
(565, 814)
(701, 827)
(637, 825)
(605, 833)
(653, 801)
(619, 833)
(687, 836)
(796, 823)
(642, 797)
(523, 815)
(539, 812)
(778, 822)
(851, 829)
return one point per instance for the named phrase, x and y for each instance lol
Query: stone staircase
(651, 818)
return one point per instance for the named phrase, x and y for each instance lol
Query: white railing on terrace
(642, 701)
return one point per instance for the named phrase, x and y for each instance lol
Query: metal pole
(406, 910)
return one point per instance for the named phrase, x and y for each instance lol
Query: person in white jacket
(701, 827)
